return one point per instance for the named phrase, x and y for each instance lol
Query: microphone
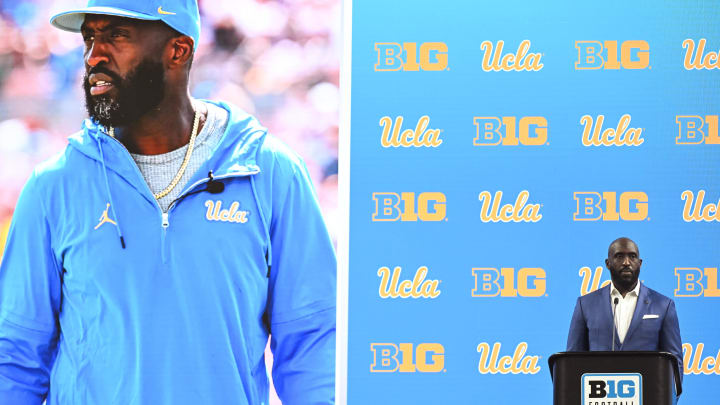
(214, 186)
(614, 322)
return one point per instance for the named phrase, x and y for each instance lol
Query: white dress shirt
(624, 309)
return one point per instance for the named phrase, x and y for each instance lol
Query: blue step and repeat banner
(497, 148)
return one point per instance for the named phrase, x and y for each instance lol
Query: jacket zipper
(165, 215)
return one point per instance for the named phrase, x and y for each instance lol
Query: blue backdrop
(507, 278)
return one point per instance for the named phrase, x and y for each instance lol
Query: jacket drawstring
(266, 227)
(109, 194)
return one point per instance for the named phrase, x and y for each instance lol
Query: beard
(139, 92)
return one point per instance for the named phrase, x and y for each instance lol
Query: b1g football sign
(612, 389)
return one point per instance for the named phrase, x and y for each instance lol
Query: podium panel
(606, 378)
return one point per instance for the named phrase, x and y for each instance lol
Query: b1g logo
(604, 55)
(390, 358)
(693, 130)
(519, 61)
(708, 61)
(392, 56)
(693, 282)
(507, 131)
(428, 207)
(594, 206)
(489, 282)
(617, 388)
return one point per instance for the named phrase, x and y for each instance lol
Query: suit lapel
(641, 308)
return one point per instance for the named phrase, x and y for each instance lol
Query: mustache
(104, 70)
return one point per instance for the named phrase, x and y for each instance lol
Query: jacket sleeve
(30, 291)
(301, 296)
(577, 340)
(670, 337)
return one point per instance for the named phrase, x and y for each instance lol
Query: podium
(623, 377)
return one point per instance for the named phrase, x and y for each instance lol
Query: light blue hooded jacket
(181, 314)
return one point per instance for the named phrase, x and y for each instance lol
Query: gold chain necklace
(188, 153)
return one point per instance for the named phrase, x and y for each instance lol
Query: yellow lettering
(521, 60)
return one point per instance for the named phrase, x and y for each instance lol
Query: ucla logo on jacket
(233, 214)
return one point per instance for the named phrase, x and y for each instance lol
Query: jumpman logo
(104, 218)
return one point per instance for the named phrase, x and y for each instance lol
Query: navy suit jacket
(592, 325)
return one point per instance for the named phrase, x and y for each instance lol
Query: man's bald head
(623, 240)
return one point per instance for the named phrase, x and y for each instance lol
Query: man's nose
(96, 54)
(626, 260)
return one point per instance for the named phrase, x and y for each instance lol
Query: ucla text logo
(490, 131)
(489, 282)
(520, 211)
(616, 388)
(232, 214)
(593, 55)
(694, 362)
(519, 61)
(693, 131)
(693, 282)
(401, 207)
(392, 56)
(593, 206)
(425, 358)
(622, 135)
(419, 137)
(709, 61)
(392, 287)
(693, 209)
(591, 281)
(518, 363)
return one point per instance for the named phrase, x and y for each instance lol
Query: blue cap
(182, 15)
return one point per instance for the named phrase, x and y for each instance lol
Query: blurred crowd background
(277, 59)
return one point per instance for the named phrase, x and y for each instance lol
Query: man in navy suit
(645, 319)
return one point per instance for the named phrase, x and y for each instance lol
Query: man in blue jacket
(149, 262)
(644, 319)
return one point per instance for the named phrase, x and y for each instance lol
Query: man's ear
(180, 51)
(607, 263)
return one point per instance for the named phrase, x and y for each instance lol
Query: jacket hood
(235, 153)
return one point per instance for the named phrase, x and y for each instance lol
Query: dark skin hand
(119, 45)
(624, 264)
